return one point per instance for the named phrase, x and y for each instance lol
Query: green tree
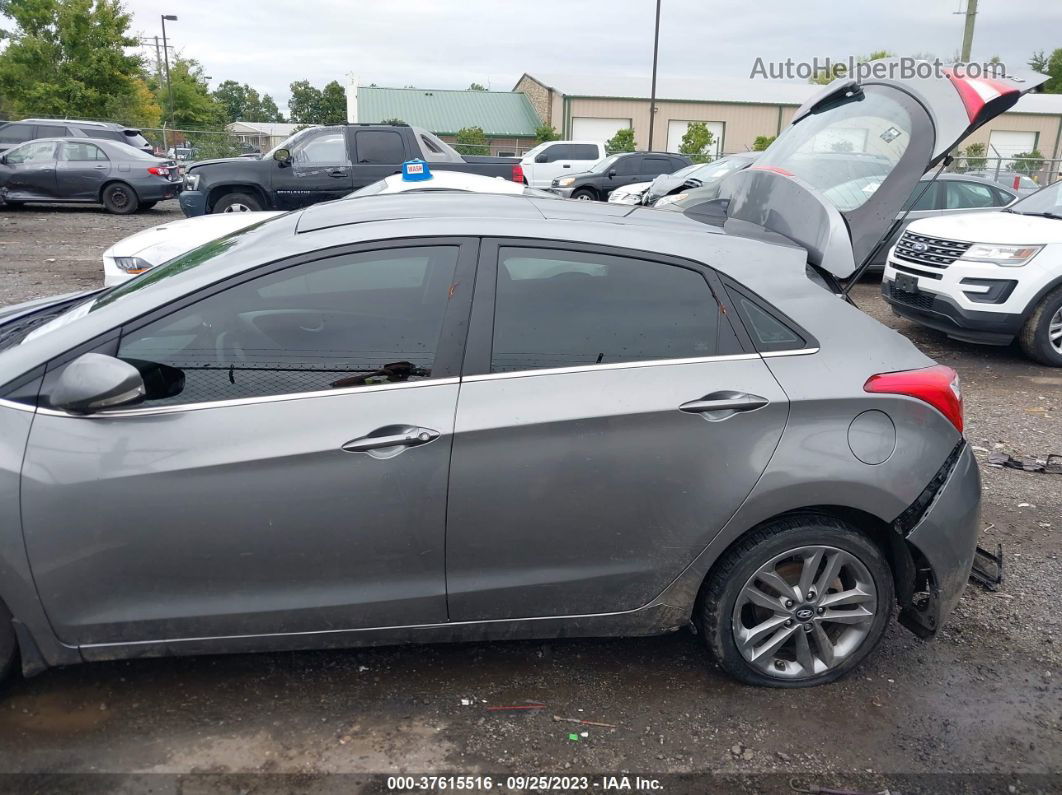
(975, 157)
(333, 104)
(762, 142)
(193, 105)
(232, 99)
(477, 87)
(69, 57)
(1051, 66)
(392, 121)
(546, 132)
(1028, 163)
(622, 141)
(697, 142)
(305, 105)
(472, 141)
(269, 110)
(1038, 62)
(822, 77)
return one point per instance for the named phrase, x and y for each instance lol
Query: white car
(985, 277)
(141, 252)
(553, 159)
(629, 194)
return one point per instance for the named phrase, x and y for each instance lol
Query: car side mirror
(94, 381)
(541, 158)
(282, 156)
(611, 173)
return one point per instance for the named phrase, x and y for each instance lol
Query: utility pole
(967, 34)
(158, 76)
(652, 93)
(166, 53)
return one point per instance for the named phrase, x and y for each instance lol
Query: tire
(1041, 336)
(8, 644)
(236, 203)
(585, 194)
(801, 659)
(120, 199)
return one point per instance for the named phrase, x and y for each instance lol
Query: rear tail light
(159, 171)
(938, 386)
(518, 174)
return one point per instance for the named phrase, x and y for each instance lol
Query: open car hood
(837, 176)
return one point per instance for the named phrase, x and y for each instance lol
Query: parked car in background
(86, 171)
(988, 278)
(616, 171)
(949, 194)
(629, 194)
(1021, 184)
(183, 154)
(322, 163)
(553, 159)
(405, 392)
(18, 132)
(152, 247)
(699, 175)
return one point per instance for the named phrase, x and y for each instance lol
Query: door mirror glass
(94, 381)
(282, 156)
(542, 158)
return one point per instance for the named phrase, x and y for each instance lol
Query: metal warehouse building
(738, 110)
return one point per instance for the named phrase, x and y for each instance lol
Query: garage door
(1009, 143)
(676, 128)
(600, 130)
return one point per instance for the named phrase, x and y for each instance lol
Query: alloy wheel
(583, 197)
(804, 612)
(1054, 330)
(237, 207)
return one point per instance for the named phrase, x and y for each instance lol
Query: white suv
(986, 277)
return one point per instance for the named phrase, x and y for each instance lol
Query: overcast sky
(451, 43)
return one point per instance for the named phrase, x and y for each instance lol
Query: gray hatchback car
(445, 416)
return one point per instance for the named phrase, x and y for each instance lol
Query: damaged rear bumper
(942, 542)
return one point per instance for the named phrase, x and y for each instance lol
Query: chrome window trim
(149, 411)
(795, 352)
(11, 404)
(590, 368)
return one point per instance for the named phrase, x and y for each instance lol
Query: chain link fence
(191, 145)
(1030, 172)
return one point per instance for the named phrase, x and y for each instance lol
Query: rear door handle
(724, 403)
(390, 440)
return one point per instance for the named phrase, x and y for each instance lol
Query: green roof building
(506, 117)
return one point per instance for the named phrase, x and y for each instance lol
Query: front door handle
(390, 440)
(724, 403)
(337, 172)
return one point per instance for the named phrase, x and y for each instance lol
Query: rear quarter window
(769, 329)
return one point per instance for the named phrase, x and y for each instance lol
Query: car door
(378, 154)
(30, 171)
(319, 171)
(653, 166)
(608, 426)
(81, 170)
(287, 473)
(626, 170)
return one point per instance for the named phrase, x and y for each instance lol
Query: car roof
(106, 125)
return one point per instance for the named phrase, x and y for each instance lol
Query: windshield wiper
(1056, 216)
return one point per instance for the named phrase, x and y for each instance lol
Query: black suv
(615, 171)
(17, 132)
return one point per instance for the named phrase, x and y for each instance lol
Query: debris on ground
(528, 706)
(1051, 465)
(585, 722)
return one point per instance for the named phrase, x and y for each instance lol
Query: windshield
(849, 146)
(712, 171)
(290, 141)
(601, 166)
(1048, 200)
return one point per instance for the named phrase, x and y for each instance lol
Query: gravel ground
(984, 699)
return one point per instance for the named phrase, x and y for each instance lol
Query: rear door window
(50, 131)
(655, 166)
(962, 195)
(379, 147)
(79, 151)
(583, 152)
(557, 308)
(16, 133)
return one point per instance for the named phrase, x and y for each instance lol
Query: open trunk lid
(835, 179)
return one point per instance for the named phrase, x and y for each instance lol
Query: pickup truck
(322, 163)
